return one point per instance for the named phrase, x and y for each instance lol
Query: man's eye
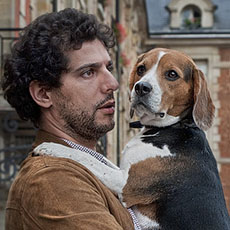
(88, 73)
(110, 68)
(171, 75)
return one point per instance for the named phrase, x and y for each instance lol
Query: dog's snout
(143, 88)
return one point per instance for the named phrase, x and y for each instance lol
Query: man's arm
(61, 197)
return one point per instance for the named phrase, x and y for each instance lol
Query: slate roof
(158, 18)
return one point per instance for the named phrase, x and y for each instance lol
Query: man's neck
(55, 126)
(91, 144)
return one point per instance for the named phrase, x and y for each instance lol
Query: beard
(79, 122)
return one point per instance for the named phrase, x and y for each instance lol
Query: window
(191, 14)
(191, 17)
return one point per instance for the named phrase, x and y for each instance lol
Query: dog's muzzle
(142, 88)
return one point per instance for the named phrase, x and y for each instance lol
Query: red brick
(224, 110)
(224, 54)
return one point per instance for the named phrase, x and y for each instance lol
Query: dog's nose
(143, 88)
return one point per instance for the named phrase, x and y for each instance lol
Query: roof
(158, 18)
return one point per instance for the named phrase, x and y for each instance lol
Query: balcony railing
(11, 159)
(16, 141)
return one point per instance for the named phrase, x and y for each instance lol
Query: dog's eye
(141, 70)
(171, 75)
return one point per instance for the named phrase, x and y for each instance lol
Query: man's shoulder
(38, 171)
(40, 167)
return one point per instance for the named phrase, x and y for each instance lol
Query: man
(59, 77)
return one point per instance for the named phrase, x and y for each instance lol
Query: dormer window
(191, 17)
(191, 14)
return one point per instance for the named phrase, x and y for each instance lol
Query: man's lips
(108, 107)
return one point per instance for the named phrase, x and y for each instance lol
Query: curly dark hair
(39, 54)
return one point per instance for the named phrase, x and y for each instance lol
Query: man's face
(85, 103)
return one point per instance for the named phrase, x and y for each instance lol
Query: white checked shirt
(101, 158)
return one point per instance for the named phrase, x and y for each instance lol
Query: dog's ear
(133, 78)
(203, 108)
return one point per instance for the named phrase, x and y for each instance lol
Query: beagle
(168, 173)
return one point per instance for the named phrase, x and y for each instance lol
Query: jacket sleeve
(60, 197)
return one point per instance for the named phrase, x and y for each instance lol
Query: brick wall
(224, 126)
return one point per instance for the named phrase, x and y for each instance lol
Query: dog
(168, 173)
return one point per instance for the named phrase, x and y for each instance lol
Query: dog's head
(166, 85)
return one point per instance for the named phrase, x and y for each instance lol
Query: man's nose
(110, 82)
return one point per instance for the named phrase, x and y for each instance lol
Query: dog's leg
(110, 174)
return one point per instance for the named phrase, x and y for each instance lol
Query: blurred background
(199, 28)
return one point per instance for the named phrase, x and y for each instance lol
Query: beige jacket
(59, 194)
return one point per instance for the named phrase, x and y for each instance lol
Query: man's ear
(40, 93)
